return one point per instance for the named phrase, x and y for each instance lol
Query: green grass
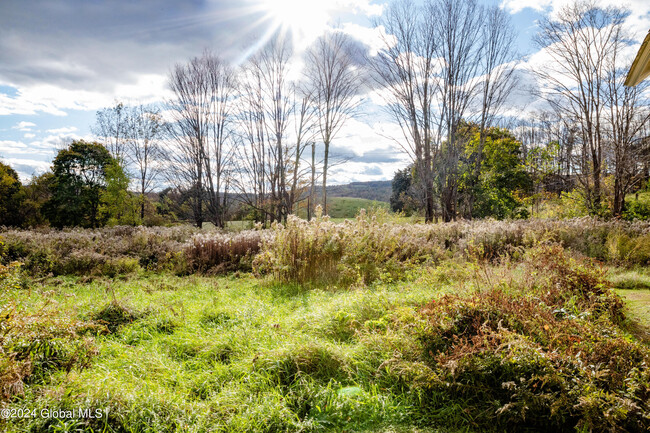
(631, 279)
(644, 197)
(347, 207)
(340, 209)
(223, 353)
(239, 353)
(638, 310)
(634, 287)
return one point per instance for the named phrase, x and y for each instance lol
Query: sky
(62, 60)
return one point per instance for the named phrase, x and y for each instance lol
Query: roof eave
(640, 68)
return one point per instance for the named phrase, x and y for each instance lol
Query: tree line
(261, 134)
(592, 138)
(226, 137)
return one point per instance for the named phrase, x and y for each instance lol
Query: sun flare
(304, 19)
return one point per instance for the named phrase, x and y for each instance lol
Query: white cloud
(26, 106)
(29, 135)
(637, 23)
(60, 131)
(53, 99)
(516, 6)
(50, 144)
(146, 89)
(363, 172)
(24, 126)
(45, 147)
(360, 137)
(363, 6)
(374, 37)
(26, 167)
(11, 146)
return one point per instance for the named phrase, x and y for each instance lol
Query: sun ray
(303, 19)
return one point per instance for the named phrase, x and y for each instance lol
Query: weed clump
(550, 356)
(627, 249)
(567, 282)
(115, 314)
(34, 347)
(354, 252)
(319, 362)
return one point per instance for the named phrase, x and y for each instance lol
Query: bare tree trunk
(325, 160)
(334, 81)
(310, 206)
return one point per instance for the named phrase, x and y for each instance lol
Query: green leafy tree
(80, 178)
(37, 192)
(117, 204)
(502, 180)
(11, 196)
(401, 185)
(404, 197)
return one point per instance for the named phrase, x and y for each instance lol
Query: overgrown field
(366, 325)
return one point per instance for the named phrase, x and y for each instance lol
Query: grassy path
(634, 287)
(638, 302)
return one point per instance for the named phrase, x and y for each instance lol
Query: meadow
(370, 324)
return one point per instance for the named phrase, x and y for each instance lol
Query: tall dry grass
(369, 248)
(366, 249)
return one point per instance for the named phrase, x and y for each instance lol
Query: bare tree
(270, 67)
(548, 144)
(252, 149)
(200, 162)
(627, 147)
(110, 128)
(304, 132)
(276, 122)
(220, 147)
(145, 128)
(442, 63)
(581, 40)
(405, 66)
(312, 182)
(334, 77)
(457, 28)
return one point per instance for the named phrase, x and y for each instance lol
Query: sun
(304, 19)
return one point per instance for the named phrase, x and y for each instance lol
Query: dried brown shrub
(217, 252)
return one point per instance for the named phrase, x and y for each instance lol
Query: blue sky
(61, 61)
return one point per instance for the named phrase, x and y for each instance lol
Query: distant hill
(379, 190)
